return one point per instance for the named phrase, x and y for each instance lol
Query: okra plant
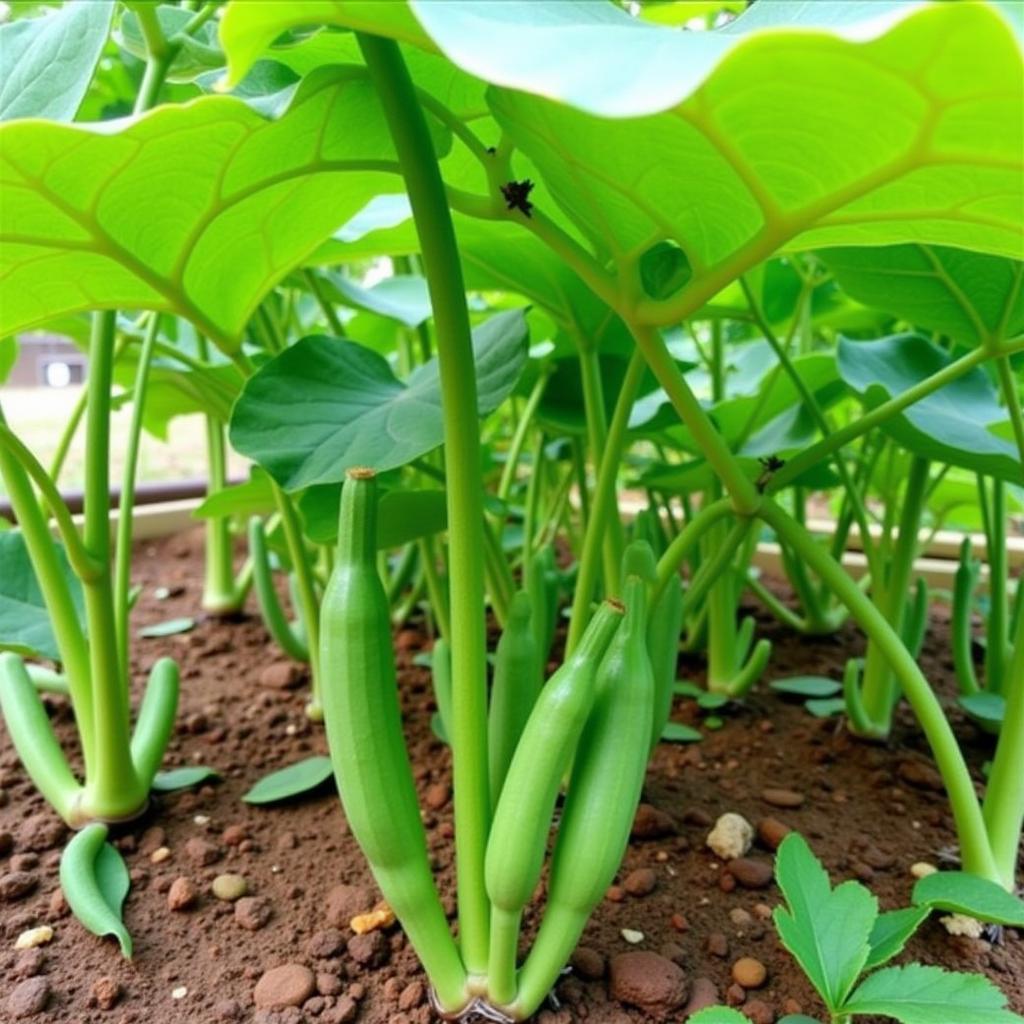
(770, 258)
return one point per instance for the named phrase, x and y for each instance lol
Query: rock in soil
(749, 973)
(588, 963)
(229, 887)
(771, 832)
(28, 998)
(782, 797)
(731, 837)
(652, 823)
(648, 981)
(287, 985)
(640, 882)
(347, 901)
(16, 885)
(105, 993)
(253, 912)
(752, 873)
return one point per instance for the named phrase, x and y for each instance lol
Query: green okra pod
(522, 817)
(663, 630)
(516, 686)
(285, 635)
(441, 677)
(966, 580)
(364, 735)
(603, 794)
(155, 721)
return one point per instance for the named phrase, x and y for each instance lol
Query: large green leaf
(402, 515)
(49, 61)
(953, 424)
(916, 994)
(196, 209)
(24, 620)
(971, 297)
(826, 929)
(962, 893)
(325, 405)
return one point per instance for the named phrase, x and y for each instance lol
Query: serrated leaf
(182, 778)
(676, 732)
(891, 932)
(961, 893)
(917, 994)
(196, 209)
(95, 882)
(325, 405)
(24, 620)
(807, 686)
(169, 627)
(297, 778)
(49, 61)
(827, 930)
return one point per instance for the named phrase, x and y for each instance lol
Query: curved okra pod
(749, 672)
(916, 623)
(517, 683)
(95, 881)
(522, 817)
(155, 721)
(862, 724)
(364, 734)
(604, 791)
(966, 580)
(34, 739)
(543, 585)
(441, 676)
(283, 632)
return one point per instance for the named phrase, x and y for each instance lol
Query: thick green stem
(976, 853)
(443, 271)
(603, 507)
(879, 692)
(996, 628)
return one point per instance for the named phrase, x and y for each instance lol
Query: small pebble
(182, 894)
(287, 985)
(381, 917)
(632, 936)
(180, 992)
(105, 993)
(229, 887)
(731, 837)
(782, 797)
(751, 873)
(34, 937)
(28, 998)
(922, 869)
(160, 854)
(640, 882)
(749, 973)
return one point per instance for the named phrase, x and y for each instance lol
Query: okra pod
(516, 686)
(604, 791)
(967, 575)
(441, 677)
(663, 630)
(364, 735)
(522, 817)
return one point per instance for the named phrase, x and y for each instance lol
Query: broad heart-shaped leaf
(24, 620)
(196, 210)
(48, 62)
(325, 405)
(971, 297)
(951, 425)
(962, 893)
(891, 932)
(826, 929)
(291, 781)
(916, 994)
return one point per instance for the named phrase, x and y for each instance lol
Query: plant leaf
(952, 425)
(24, 620)
(917, 994)
(807, 686)
(826, 929)
(962, 893)
(718, 1015)
(402, 297)
(198, 52)
(325, 405)
(182, 778)
(402, 515)
(110, 215)
(95, 881)
(291, 781)
(49, 61)
(169, 627)
(677, 732)
(891, 932)
(971, 297)
(988, 708)
(825, 707)
(253, 497)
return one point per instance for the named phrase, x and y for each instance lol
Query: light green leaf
(95, 882)
(718, 1015)
(977, 897)
(291, 781)
(826, 929)
(49, 61)
(196, 209)
(253, 497)
(169, 627)
(952, 425)
(891, 932)
(825, 707)
(970, 297)
(677, 732)
(8, 356)
(24, 619)
(987, 708)
(402, 297)
(807, 686)
(325, 405)
(197, 52)
(929, 995)
(181, 778)
(402, 515)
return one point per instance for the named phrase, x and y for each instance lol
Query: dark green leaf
(891, 932)
(987, 708)
(807, 686)
(952, 425)
(962, 893)
(826, 929)
(325, 405)
(168, 627)
(49, 61)
(24, 620)
(297, 778)
(182, 778)
(916, 994)
(664, 269)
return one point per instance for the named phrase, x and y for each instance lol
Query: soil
(869, 812)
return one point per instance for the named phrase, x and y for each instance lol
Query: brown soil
(869, 812)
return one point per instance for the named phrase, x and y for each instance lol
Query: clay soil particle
(866, 810)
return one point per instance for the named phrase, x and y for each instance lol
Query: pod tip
(361, 473)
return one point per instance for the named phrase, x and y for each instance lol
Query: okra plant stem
(443, 271)
(998, 608)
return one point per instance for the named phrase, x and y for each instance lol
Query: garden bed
(869, 812)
